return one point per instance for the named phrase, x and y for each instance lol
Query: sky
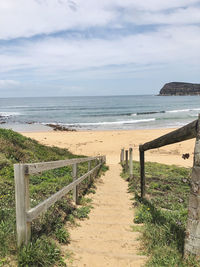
(97, 47)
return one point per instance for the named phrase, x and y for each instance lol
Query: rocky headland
(180, 88)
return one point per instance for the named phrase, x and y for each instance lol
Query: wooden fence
(127, 163)
(189, 131)
(24, 214)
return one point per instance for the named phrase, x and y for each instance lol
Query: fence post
(89, 168)
(192, 240)
(131, 162)
(75, 190)
(22, 204)
(126, 161)
(142, 172)
(122, 156)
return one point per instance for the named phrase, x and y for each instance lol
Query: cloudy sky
(97, 47)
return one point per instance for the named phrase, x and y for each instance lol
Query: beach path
(106, 238)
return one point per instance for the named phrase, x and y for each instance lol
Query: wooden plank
(22, 204)
(89, 168)
(34, 168)
(142, 174)
(122, 155)
(130, 162)
(186, 132)
(197, 146)
(126, 160)
(120, 160)
(75, 190)
(192, 239)
(43, 206)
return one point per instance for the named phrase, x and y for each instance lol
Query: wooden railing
(186, 132)
(127, 162)
(189, 131)
(24, 214)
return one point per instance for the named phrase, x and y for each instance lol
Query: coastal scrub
(163, 213)
(48, 230)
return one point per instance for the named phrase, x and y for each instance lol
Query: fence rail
(189, 131)
(186, 132)
(24, 214)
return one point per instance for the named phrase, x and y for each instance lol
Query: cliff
(180, 88)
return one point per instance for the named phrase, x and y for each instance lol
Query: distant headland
(180, 88)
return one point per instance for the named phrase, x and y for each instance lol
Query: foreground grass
(48, 230)
(163, 213)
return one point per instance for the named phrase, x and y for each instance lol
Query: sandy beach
(109, 143)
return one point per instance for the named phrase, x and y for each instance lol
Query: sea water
(99, 112)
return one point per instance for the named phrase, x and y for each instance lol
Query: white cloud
(8, 83)
(22, 18)
(182, 16)
(155, 5)
(51, 56)
(173, 40)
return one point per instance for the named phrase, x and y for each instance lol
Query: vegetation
(48, 230)
(162, 215)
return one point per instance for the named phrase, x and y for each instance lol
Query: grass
(163, 213)
(48, 230)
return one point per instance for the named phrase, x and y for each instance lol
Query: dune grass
(48, 230)
(163, 213)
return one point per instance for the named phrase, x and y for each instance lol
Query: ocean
(98, 113)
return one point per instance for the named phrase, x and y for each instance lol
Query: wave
(139, 113)
(13, 107)
(150, 112)
(182, 110)
(9, 114)
(109, 122)
(109, 115)
(167, 111)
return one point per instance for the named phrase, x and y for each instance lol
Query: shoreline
(37, 127)
(110, 143)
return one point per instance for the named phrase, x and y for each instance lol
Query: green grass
(42, 251)
(163, 213)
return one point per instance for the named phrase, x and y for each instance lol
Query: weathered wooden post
(89, 168)
(22, 204)
(192, 240)
(97, 171)
(142, 172)
(126, 161)
(122, 156)
(131, 162)
(75, 190)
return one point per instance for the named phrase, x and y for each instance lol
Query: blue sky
(90, 47)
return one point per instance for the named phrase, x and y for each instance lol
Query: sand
(106, 239)
(109, 143)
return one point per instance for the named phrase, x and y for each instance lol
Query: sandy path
(106, 239)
